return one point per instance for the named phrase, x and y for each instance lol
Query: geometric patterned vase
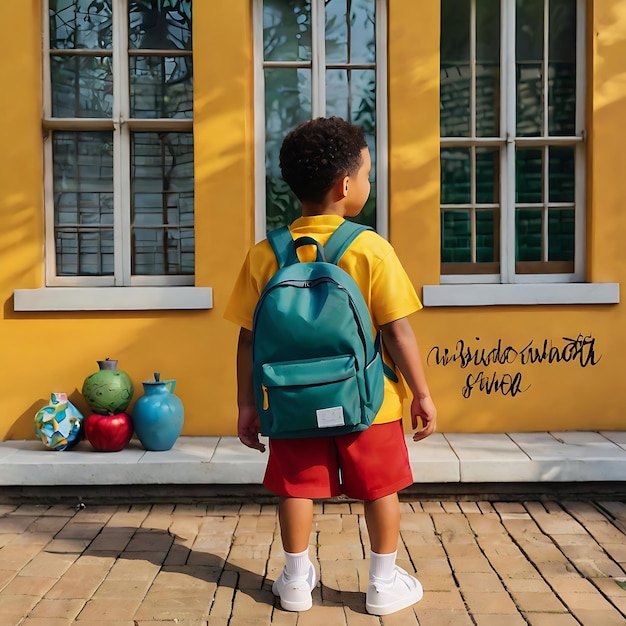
(59, 424)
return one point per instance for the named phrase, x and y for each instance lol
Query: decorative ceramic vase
(158, 415)
(108, 391)
(59, 424)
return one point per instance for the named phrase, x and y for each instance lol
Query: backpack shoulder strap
(282, 245)
(337, 244)
(341, 239)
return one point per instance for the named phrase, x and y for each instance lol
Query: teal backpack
(317, 368)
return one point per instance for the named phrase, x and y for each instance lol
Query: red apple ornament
(109, 433)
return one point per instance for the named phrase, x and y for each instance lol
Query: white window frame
(318, 106)
(121, 124)
(120, 291)
(508, 287)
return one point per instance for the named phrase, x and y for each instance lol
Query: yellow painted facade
(54, 351)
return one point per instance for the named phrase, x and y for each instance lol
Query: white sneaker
(295, 593)
(384, 597)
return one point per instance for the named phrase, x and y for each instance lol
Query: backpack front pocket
(310, 394)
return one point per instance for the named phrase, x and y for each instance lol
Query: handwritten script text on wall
(578, 351)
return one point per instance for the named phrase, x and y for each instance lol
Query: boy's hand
(249, 427)
(424, 409)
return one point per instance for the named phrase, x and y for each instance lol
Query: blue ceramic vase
(158, 415)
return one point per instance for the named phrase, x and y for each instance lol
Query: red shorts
(366, 465)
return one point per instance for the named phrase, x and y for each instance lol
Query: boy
(326, 163)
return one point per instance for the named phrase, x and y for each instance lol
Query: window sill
(520, 294)
(112, 298)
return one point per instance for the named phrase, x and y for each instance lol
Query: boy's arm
(248, 422)
(402, 347)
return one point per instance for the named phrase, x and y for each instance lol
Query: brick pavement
(541, 563)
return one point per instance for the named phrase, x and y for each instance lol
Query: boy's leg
(382, 517)
(390, 588)
(298, 578)
(296, 520)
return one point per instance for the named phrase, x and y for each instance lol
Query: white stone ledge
(442, 458)
(112, 298)
(520, 294)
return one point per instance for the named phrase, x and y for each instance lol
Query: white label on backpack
(327, 418)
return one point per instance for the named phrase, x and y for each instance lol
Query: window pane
(562, 68)
(80, 24)
(561, 174)
(529, 30)
(83, 208)
(161, 87)
(528, 229)
(455, 79)
(488, 68)
(162, 209)
(84, 252)
(487, 100)
(486, 236)
(455, 176)
(351, 94)
(529, 100)
(454, 103)
(287, 30)
(561, 228)
(81, 86)
(528, 168)
(350, 33)
(456, 239)
(159, 24)
(562, 99)
(455, 31)
(163, 251)
(529, 58)
(287, 104)
(487, 175)
(488, 31)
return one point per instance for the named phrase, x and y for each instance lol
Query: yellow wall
(47, 352)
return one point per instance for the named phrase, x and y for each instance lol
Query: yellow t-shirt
(372, 263)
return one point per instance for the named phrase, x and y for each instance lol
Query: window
(512, 141)
(318, 58)
(118, 118)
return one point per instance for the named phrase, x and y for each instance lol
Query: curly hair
(316, 154)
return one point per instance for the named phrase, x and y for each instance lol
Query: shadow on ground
(167, 551)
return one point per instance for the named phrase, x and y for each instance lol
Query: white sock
(297, 565)
(382, 566)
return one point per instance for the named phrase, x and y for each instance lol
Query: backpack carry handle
(285, 248)
(309, 241)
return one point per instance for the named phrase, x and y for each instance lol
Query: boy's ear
(343, 186)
